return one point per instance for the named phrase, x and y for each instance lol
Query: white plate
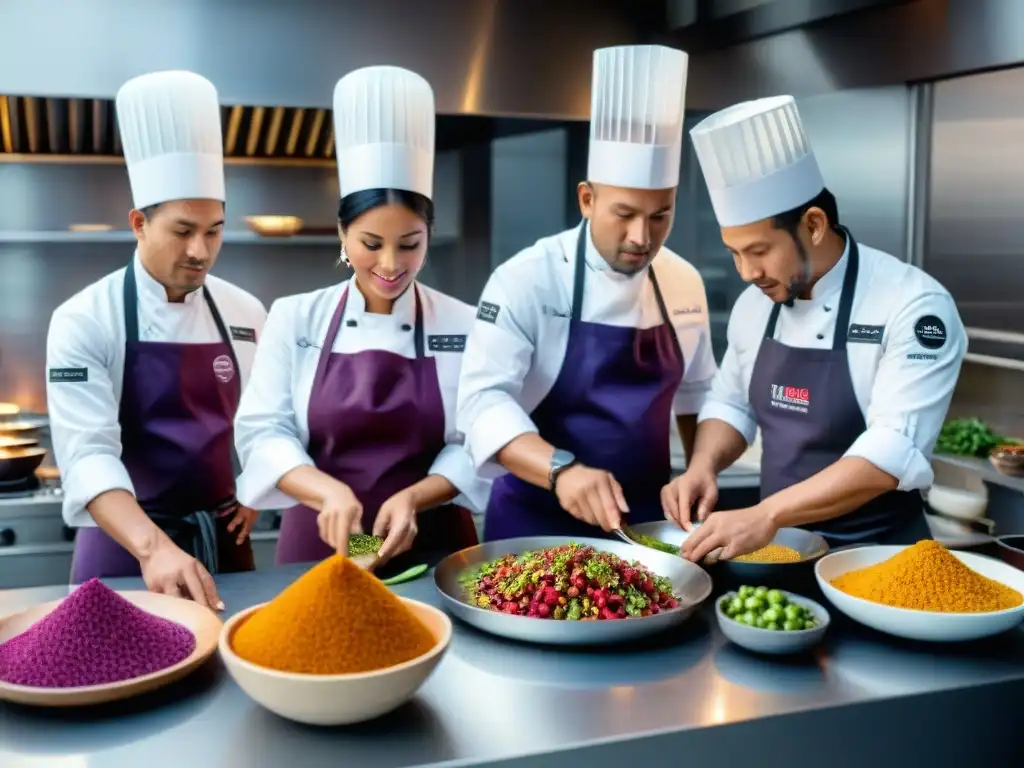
(919, 625)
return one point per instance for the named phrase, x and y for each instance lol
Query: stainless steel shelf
(982, 468)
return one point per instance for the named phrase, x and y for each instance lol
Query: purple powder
(94, 637)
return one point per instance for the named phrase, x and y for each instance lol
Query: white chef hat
(637, 105)
(170, 131)
(757, 160)
(384, 131)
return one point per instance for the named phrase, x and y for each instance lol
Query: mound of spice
(335, 619)
(94, 637)
(927, 577)
(770, 553)
(364, 544)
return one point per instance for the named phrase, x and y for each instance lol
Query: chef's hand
(396, 524)
(737, 532)
(341, 515)
(242, 521)
(169, 570)
(591, 495)
(697, 486)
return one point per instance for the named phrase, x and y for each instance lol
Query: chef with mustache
(588, 341)
(146, 365)
(845, 357)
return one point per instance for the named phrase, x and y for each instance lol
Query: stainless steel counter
(862, 699)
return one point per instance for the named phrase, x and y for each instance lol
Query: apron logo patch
(61, 375)
(865, 334)
(488, 312)
(446, 343)
(223, 368)
(930, 332)
(791, 398)
(243, 334)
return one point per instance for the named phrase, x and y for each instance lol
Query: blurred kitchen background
(915, 110)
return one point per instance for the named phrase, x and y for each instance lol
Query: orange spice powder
(335, 619)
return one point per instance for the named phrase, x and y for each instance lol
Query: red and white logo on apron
(223, 368)
(791, 398)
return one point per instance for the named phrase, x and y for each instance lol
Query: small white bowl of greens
(772, 621)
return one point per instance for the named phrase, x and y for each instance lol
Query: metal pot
(23, 428)
(19, 463)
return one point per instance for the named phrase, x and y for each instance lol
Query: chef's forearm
(309, 486)
(838, 489)
(687, 426)
(717, 446)
(432, 491)
(120, 516)
(528, 457)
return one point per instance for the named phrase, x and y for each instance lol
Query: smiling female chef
(844, 356)
(351, 406)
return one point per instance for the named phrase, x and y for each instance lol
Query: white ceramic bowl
(337, 699)
(957, 491)
(913, 624)
(772, 641)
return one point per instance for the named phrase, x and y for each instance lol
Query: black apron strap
(419, 322)
(664, 313)
(845, 309)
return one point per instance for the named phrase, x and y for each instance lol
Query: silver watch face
(561, 458)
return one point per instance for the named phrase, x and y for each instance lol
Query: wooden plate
(202, 622)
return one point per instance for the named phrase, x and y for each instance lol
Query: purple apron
(611, 406)
(376, 423)
(809, 416)
(178, 402)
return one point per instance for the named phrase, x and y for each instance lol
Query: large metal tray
(691, 585)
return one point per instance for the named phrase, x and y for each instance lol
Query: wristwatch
(560, 461)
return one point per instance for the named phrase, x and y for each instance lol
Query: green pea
(793, 626)
(754, 604)
(760, 591)
(810, 624)
(760, 622)
(747, 618)
(735, 606)
(772, 614)
(775, 597)
(774, 627)
(793, 612)
(746, 592)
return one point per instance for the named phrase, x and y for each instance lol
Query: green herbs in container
(361, 544)
(969, 437)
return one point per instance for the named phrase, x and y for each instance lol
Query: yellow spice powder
(927, 577)
(771, 553)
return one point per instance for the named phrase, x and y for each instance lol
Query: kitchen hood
(34, 129)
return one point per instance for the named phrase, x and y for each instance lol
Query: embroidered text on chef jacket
(85, 362)
(272, 425)
(519, 340)
(905, 346)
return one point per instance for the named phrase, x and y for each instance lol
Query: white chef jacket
(87, 332)
(512, 363)
(902, 385)
(272, 424)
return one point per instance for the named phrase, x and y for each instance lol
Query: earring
(343, 257)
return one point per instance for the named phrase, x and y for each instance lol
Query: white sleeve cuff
(736, 418)
(896, 454)
(687, 403)
(271, 460)
(453, 463)
(495, 428)
(88, 478)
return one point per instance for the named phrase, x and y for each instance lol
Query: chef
(146, 365)
(586, 341)
(844, 356)
(349, 421)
